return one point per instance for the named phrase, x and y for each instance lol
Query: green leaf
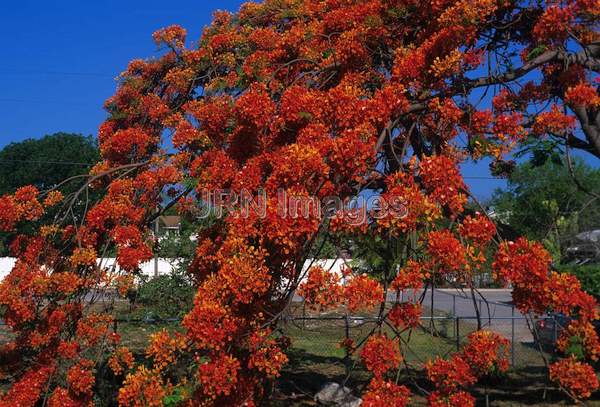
(575, 348)
(556, 159)
(539, 157)
(174, 399)
(536, 52)
(305, 115)
(190, 182)
(289, 14)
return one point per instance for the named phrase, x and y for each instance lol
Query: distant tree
(166, 296)
(47, 161)
(544, 203)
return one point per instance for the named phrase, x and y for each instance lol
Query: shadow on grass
(525, 387)
(306, 373)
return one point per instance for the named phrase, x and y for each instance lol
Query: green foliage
(305, 115)
(47, 161)
(588, 275)
(179, 395)
(575, 348)
(541, 155)
(178, 246)
(376, 255)
(190, 182)
(536, 52)
(369, 254)
(172, 247)
(166, 296)
(324, 247)
(543, 202)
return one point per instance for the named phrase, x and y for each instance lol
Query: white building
(166, 266)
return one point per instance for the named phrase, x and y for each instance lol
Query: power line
(53, 102)
(56, 73)
(488, 178)
(86, 164)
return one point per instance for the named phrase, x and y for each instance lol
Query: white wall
(334, 266)
(6, 265)
(166, 266)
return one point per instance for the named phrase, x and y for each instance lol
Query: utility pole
(156, 231)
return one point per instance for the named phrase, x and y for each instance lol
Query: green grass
(136, 335)
(322, 338)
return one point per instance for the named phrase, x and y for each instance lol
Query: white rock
(332, 394)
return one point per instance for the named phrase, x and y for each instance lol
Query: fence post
(457, 333)
(454, 305)
(512, 335)
(346, 349)
(303, 314)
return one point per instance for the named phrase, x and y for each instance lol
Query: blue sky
(61, 57)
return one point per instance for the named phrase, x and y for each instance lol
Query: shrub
(166, 296)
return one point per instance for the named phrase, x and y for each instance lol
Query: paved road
(495, 303)
(497, 314)
(496, 311)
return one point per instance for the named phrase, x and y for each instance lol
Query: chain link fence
(324, 336)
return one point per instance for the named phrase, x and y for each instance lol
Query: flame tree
(316, 98)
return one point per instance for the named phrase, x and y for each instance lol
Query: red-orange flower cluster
(579, 379)
(380, 354)
(321, 289)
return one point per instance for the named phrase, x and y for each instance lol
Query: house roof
(170, 221)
